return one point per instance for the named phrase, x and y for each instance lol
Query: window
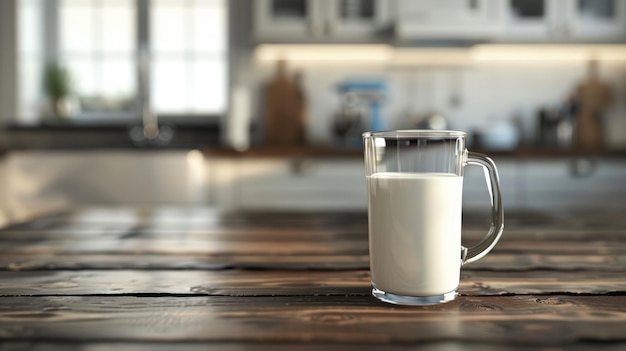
(30, 66)
(188, 51)
(99, 43)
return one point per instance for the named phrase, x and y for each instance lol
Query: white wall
(487, 93)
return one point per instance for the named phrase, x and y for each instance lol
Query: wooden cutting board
(594, 97)
(284, 109)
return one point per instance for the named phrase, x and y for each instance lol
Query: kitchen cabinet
(448, 19)
(321, 20)
(327, 184)
(598, 19)
(311, 183)
(505, 21)
(564, 20)
(577, 183)
(301, 183)
(56, 179)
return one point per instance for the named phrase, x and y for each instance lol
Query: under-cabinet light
(385, 54)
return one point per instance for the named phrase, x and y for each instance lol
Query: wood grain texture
(303, 346)
(122, 232)
(182, 246)
(494, 261)
(291, 283)
(25, 262)
(139, 279)
(267, 346)
(197, 218)
(522, 320)
(269, 245)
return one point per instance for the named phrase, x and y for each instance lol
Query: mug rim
(415, 133)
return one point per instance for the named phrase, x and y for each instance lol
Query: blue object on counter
(376, 118)
(363, 85)
(372, 92)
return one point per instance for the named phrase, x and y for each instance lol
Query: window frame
(51, 49)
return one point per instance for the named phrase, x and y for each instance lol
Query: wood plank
(234, 234)
(300, 283)
(303, 346)
(519, 320)
(184, 246)
(192, 217)
(229, 283)
(24, 262)
(198, 219)
(549, 247)
(518, 262)
(262, 246)
(551, 234)
(87, 232)
(232, 281)
(242, 225)
(494, 262)
(541, 282)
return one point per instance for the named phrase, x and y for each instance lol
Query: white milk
(415, 232)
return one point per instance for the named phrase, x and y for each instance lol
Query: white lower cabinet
(579, 183)
(290, 184)
(334, 184)
(326, 184)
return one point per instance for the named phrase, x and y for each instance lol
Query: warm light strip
(526, 53)
(323, 53)
(430, 56)
(365, 53)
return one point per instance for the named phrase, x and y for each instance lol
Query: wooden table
(198, 279)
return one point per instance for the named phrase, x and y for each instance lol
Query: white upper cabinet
(284, 19)
(448, 19)
(482, 20)
(321, 20)
(599, 19)
(564, 20)
(532, 19)
(358, 18)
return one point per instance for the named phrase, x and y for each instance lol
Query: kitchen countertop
(338, 152)
(198, 279)
(206, 137)
(98, 137)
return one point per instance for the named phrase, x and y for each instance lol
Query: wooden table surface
(198, 279)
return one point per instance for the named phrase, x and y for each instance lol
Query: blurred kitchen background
(260, 104)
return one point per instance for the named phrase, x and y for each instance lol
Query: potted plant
(57, 88)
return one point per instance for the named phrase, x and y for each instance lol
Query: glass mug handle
(478, 251)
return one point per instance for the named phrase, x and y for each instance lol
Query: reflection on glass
(528, 9)
(597, 9)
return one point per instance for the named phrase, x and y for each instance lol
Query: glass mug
(415, 186)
